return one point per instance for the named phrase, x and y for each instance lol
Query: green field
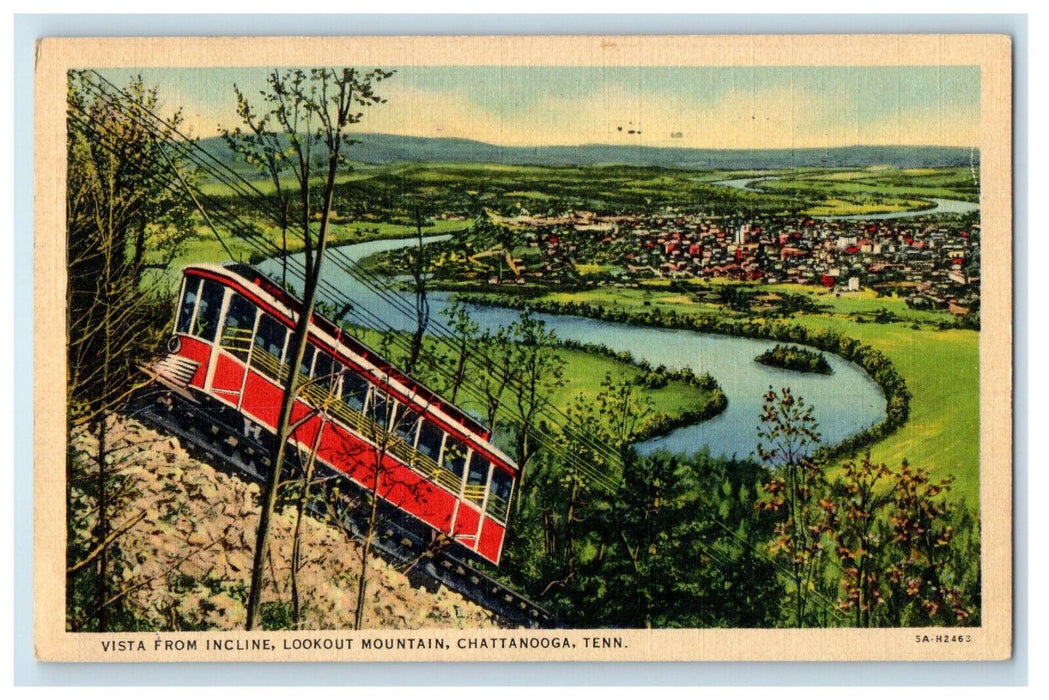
(860, 191)
(857, 205)
(941, 369)
(464, 188)
(585, 372)
(583, 375)
(265, 186)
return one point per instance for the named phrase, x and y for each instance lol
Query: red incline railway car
(229, 354)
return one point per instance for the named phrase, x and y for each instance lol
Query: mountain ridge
(389, 149)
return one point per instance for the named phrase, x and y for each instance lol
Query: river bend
(845, 402)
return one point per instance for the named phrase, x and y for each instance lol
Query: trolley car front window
(188, 305)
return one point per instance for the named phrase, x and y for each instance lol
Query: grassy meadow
(583, 374)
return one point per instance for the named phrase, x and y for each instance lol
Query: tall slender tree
(787, 437)
(265, 148)
(464, 330)
(122, 221)
(859, 534)
(313, 111)
(419, 265)
(537, 368)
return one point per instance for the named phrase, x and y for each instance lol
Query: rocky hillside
(186, 556)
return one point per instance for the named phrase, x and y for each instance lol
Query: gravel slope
(185, 564)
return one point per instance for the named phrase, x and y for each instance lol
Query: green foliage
(872, 546)
(795, 358)
(787, 438)
(905, 555)
(276, 616)
(675, 544)
(930, 584)
(122, 221)
(674, 547)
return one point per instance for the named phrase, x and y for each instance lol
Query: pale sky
(733, 107)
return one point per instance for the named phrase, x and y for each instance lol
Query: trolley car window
(406, 425)
(307, 361)
(269, 346)
(379, 409)
(240, 322)
(322, 371)
(354, 390)
(499, 498)
(430, 438)
(477, 477)
(455, 457)
(208, 310)
(188, 305)
(478, 470)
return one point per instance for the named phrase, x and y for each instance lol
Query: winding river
(844, 402)
(940, 206)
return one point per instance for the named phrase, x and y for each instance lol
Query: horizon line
(972, 149)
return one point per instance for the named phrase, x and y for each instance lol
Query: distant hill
(381, 149)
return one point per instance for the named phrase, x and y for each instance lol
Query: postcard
(532, 348)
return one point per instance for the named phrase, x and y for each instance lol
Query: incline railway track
(224, 446)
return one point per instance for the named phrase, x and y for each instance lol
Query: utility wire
(230, 177)
(267, 248)
(221, 172)
(212, 165)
